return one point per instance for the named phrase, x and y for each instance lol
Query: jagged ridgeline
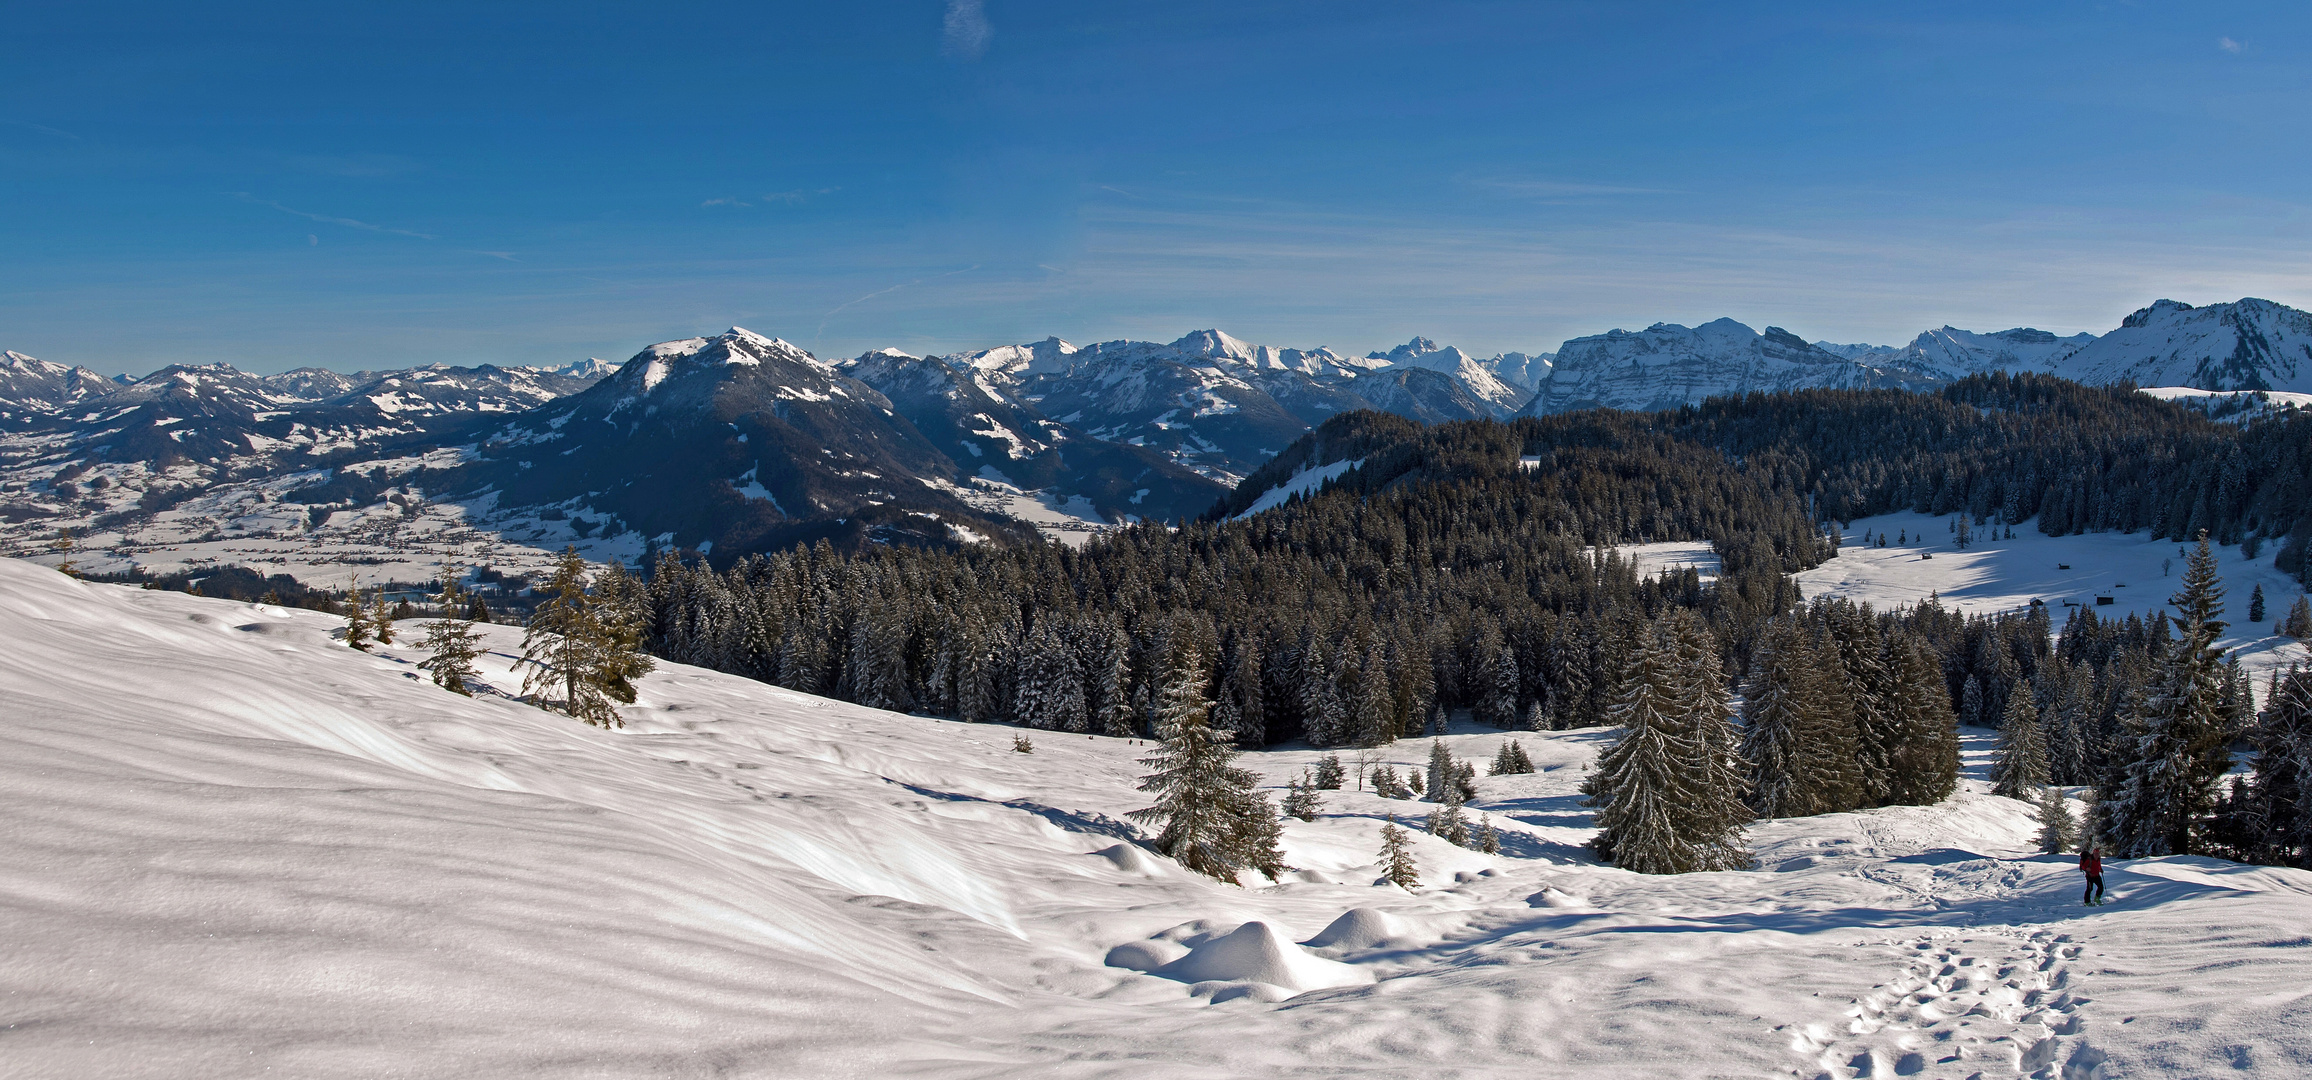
(1462, 565)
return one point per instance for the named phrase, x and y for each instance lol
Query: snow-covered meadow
(1992, 575)
(237, 848)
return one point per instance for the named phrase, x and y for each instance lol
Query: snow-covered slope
(31, 386)
(1951, 353)
(237, 848)
(2249, 344)
(1667, 365)
(2134, 574)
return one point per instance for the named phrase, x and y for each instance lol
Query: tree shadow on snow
(1071, 820)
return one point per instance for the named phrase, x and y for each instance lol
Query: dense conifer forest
(1473, 566)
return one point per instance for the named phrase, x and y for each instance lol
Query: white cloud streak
(964, 32)
(327, 219)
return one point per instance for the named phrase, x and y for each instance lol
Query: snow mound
(1257, 953)
(1552, 897)
(1145, 955)
(1131, 860)
(1359, 928)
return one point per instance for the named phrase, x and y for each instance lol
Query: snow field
(237, 847)
(1994, 576)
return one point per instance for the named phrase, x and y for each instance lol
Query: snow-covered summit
(1667, 365)
(1951, 353)
(2249, 344)
(28, 384)
(1478, 376)
(737, 346)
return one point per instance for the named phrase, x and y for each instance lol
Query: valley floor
(237, 848)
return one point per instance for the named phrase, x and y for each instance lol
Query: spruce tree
(357, 625)
(1446, 822)
(1715, 820)
(380, 617)
(1641, 779)
(573, 645)
(2058, 830)
(1397, 864)
(1214, 820)
(1386, 784)
(2298, 625)
(2256, 605)
(1669, 791)
(1799, 751)
(1440, 771)
(2022, 766)
(1511, 759)
(1924, 765)
(450, 641)
(1302, 800)
(1330, 774)
(2277, 814)
(2163, 792)
(1488, 839)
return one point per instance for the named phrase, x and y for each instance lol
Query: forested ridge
(2014, 447)
(1473, 566)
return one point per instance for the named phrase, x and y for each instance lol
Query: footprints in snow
(1965, 1008)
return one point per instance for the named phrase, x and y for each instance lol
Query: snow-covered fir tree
(1387, 785)
(1302, 799)
(1488, 838)
(357, 625)
(380, 617)
(1446, 822)
(1212, 817)
(1330, 773)
(2162, 794)
(1397, 864)
(2021, 769)
(1511, 759)
(587, 650)
(2273, 812)
(1668, 793)
(2256, 604)
(2058, 829)
(450, 643)
(2298, 624)
(1440, 772)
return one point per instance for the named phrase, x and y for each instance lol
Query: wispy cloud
(798, 195)
(328, 219)
(964, 33)
(839, 308)
(723, 202)
(41, 128)
(2228, 45)
(506, 255)
(1559, 189)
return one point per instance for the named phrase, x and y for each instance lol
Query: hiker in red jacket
(2091, 864)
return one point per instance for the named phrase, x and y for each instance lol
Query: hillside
(290, 857)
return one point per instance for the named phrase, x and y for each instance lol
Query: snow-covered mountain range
(740, 440)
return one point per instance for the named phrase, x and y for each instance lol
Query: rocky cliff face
(1667, 365)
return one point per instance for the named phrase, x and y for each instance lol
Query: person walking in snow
(2091, 864)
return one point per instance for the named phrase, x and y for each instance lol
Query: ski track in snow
(237, 848)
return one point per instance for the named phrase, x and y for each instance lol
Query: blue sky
(366, 185)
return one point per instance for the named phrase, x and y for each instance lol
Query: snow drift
(235, 847)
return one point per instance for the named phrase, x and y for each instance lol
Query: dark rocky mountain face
(991, 436)
(731, 444)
